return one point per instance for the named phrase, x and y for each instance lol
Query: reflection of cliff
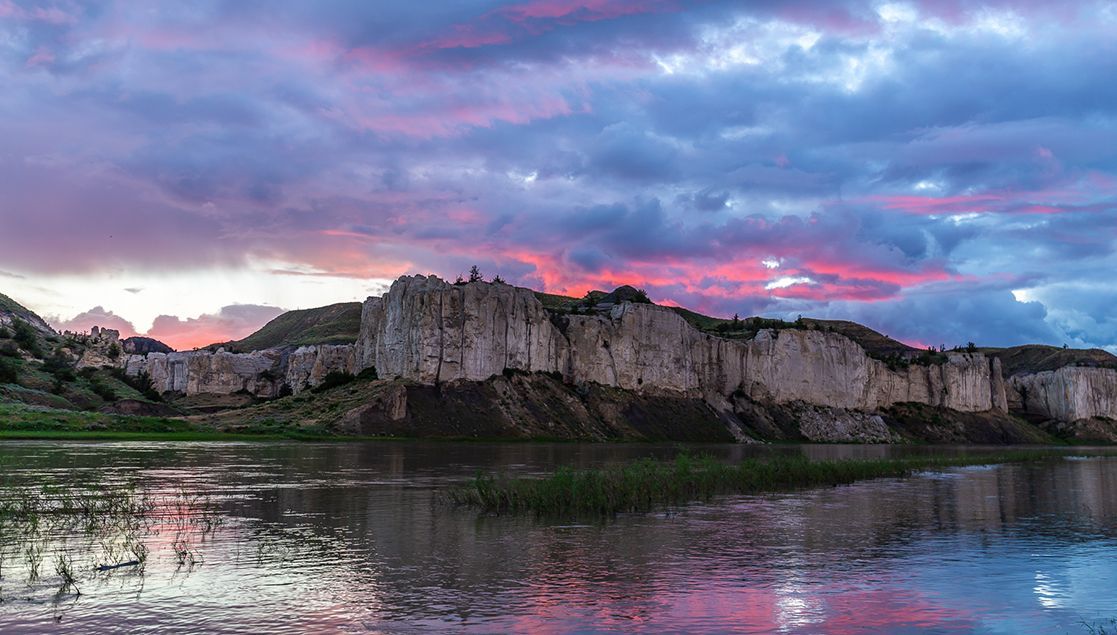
(365, 522)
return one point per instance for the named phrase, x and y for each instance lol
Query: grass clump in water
(648, 484)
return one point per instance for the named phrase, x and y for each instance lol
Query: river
(354, 537)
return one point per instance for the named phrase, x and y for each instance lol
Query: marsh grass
(648, 484)
(94, 530)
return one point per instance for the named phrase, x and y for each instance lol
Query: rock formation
(429, 331)
(805, 382)
(1070, 393)
(262, 373)
(101, 348)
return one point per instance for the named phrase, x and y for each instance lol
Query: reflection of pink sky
(809, 608)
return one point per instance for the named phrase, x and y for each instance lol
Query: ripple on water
(333, 537)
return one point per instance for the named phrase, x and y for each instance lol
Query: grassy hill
(1034, 358)
(333, 324)
(876, 344)
(10, 307)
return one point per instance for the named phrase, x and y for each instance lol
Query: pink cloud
(230, 323)
(97, 316)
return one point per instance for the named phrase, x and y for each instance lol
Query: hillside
(10, 308)
(874, 343)
(1034, 358)
(333, 324)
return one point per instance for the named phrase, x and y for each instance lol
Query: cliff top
(875, 344)
(1034, 358)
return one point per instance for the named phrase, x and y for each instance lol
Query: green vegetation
(333, 379)
(11, 306)
(9, 371)
(333, 324)
(648, 484)
(17, 417)
(89, 528)
(141, 383)
(27, 338)
(1035, 358)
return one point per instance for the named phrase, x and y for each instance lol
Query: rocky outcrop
(529, 406)
(1068, 394)
(101, 348)
(264, 373)
(307, 366)
(430, 331)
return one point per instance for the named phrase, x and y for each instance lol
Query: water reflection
(354, 537)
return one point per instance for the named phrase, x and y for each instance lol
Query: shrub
(27, 338)
(333, 379)
(113, 352)
(9, 371)
(9, 349)
(103, 391)
(141, 382)
(60, 367)
(5, 334)
(368, 373)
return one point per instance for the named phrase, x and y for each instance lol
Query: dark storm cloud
(852, 159)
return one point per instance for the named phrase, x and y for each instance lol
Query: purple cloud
(884, 160)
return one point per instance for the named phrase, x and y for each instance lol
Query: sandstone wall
(427, 330)
(261, 373)
(1070, 393)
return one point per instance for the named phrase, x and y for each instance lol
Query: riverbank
(21, 421)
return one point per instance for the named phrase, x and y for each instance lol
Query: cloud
(577, 144)
(97, 316)
(230, 323)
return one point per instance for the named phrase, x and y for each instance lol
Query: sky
(944, 171)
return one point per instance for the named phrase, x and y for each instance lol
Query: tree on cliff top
(475, 274)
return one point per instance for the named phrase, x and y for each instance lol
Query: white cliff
(1070, 393)
(262, 373)
(427, 330)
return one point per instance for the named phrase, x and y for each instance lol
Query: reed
(647, 484)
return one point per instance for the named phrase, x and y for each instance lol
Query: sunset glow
(190, 171)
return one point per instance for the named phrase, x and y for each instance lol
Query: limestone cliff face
(1070, 393)
(429, 331)
(261, 373)
(307, 366)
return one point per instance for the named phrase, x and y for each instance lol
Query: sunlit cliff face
(945, 171)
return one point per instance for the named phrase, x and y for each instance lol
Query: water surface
(354, 538)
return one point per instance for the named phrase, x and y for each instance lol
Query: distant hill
(876, 344)
(333, 324)
(143, 345)
(1034, 358)
(9, 309)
